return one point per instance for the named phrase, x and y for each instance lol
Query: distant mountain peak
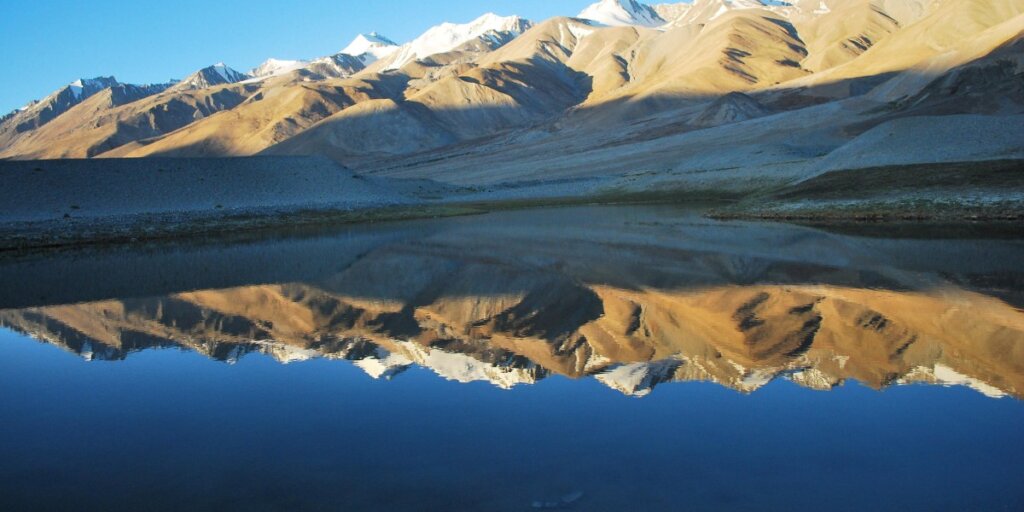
(339, 65)
(621, 13)
(228, 74)
(363, 42)
(88, 86)
(210, 76)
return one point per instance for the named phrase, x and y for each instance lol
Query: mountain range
(726, 95)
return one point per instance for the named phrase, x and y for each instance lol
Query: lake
(585, 358)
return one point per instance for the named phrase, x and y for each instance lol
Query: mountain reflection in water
(631, 297)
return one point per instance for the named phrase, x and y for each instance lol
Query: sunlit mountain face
(636, 298)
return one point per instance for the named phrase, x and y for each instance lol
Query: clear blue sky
(49, 43)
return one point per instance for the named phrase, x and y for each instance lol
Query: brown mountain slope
(662, 146)
(369, 131)
(947, 28)
(845, 33)
(599, 53)
(276, 113)
(738, 51)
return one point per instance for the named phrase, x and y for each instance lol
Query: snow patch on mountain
(639, 379)
(946, 376)
(76, 88)
(448, 36)
(464, 368)
(622, 13)
(383, 364)
(285, 354)
(579, 30)
(370, 47)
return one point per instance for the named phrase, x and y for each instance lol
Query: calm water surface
(589, 359)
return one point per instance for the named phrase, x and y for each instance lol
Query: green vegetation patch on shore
(978, 191)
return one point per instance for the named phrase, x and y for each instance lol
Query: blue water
(172, 429)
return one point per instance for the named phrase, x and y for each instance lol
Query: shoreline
(962, 193)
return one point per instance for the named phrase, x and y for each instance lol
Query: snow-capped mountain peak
(448, 36)
(273, 67)
(620, 13)
(367, 42)
(370, 47)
